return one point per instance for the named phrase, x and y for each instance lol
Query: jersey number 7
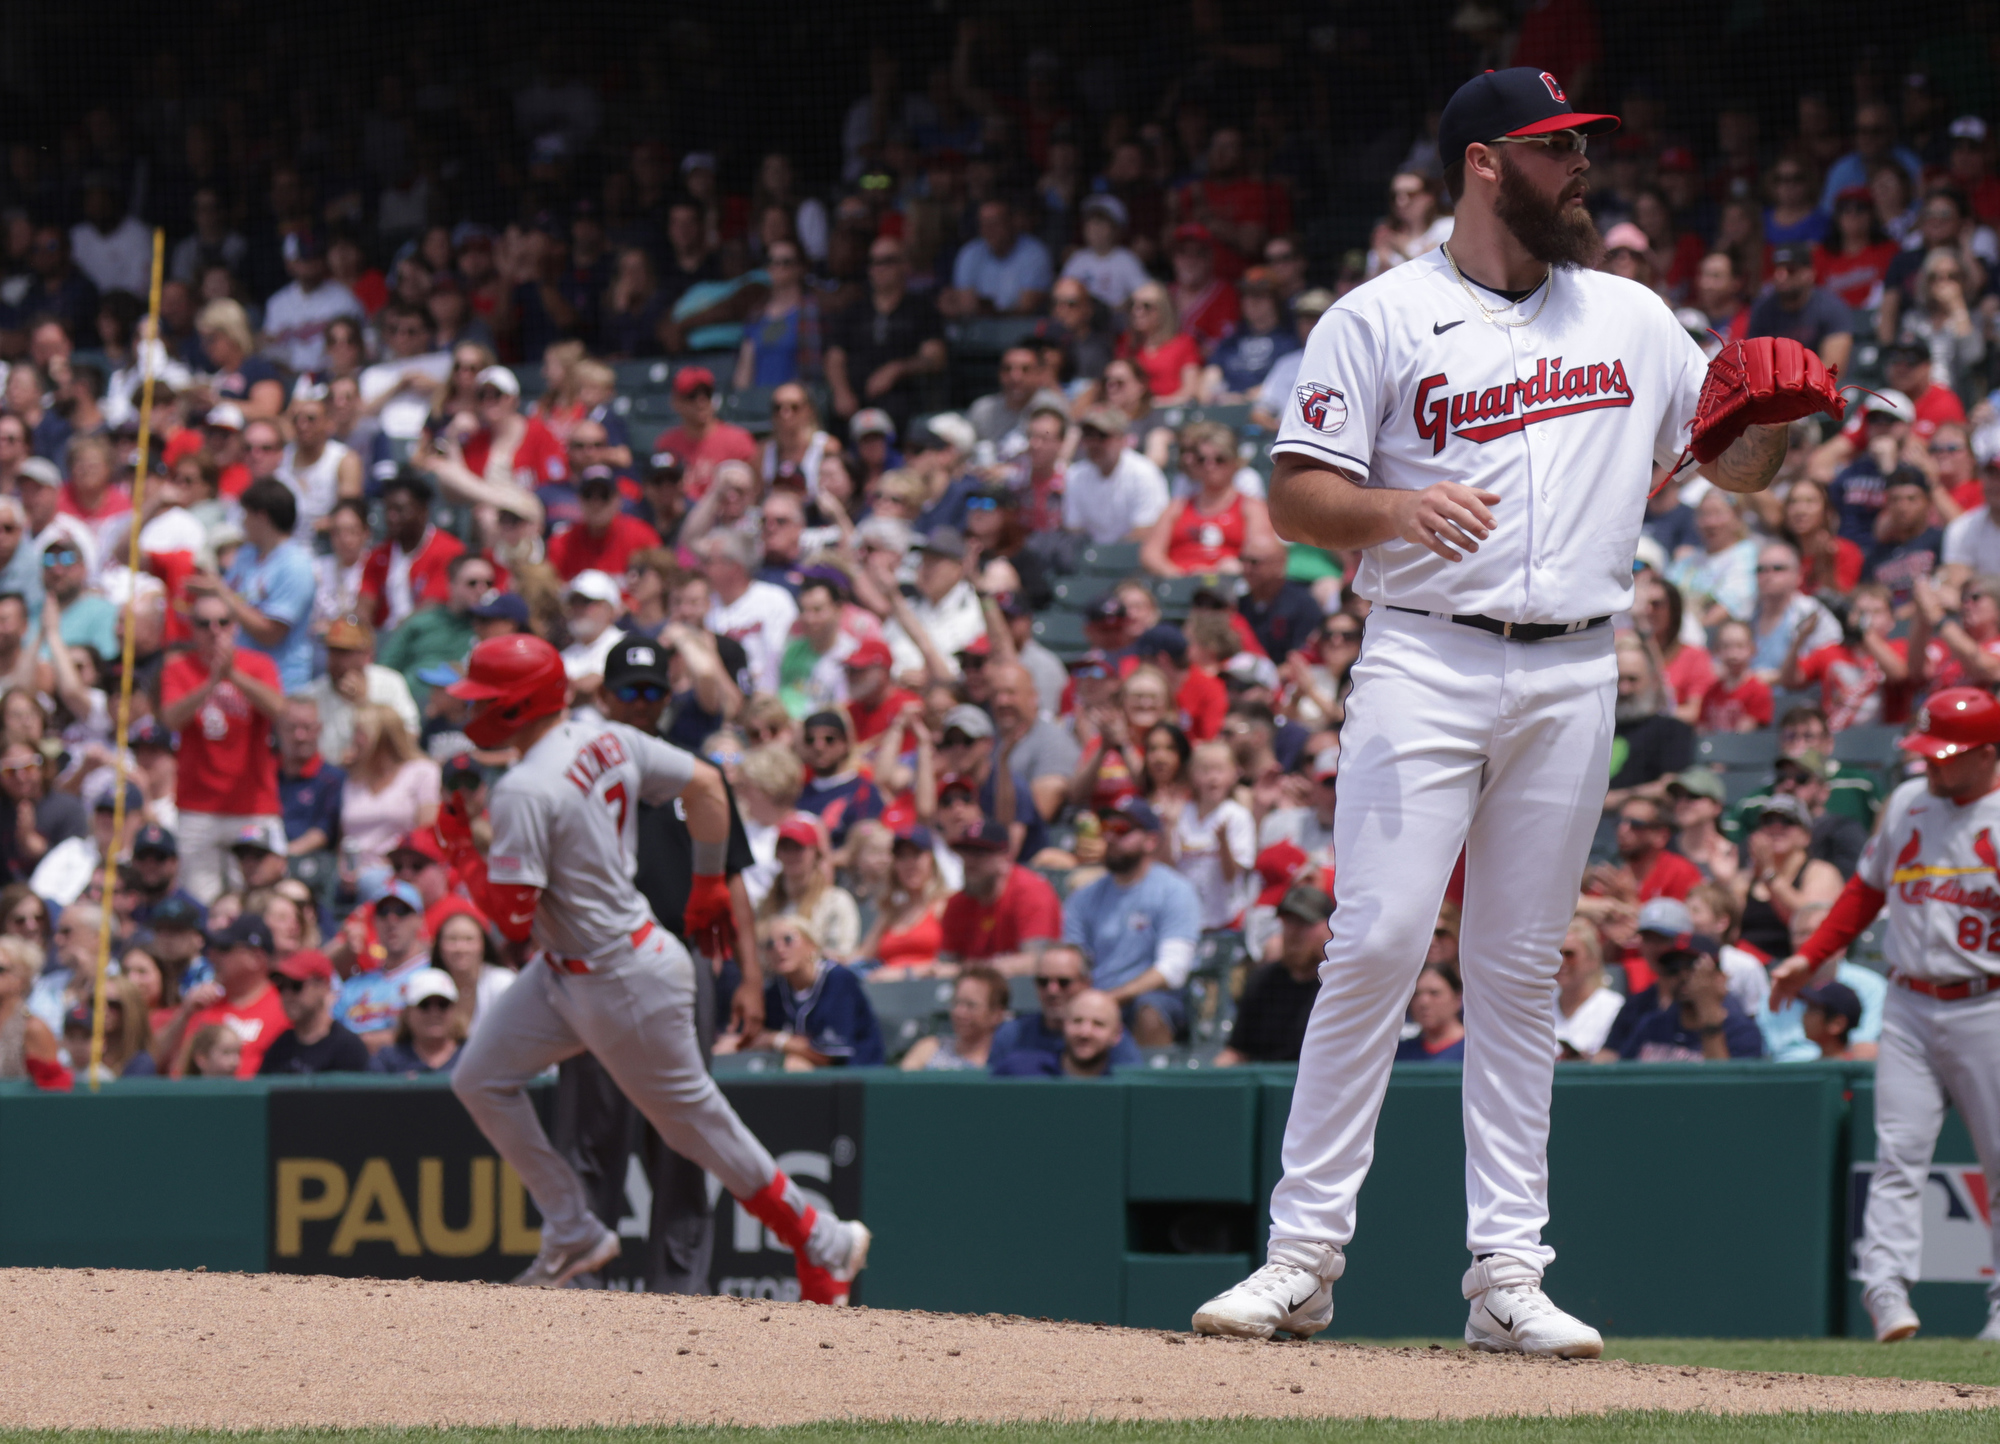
(614, 796)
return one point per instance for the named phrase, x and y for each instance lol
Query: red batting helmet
(1955, 720)
(519, 678)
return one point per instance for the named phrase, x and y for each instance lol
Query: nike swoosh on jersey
(518, 918)
(1438, 328)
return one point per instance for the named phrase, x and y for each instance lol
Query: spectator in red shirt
(1003, 908)
(701, 442)
(1199, 697)
(1166, 359)
(222, 702)
(872, 704)
(523, 443)
(1644, 829)
(1208, 305)
(241, 999)
(413, 567)
(1854, 258)
(1238, 209)
(605, 539)
(1738, 700)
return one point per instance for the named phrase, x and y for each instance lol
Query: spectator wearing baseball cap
(591, 602)
(701, 441)
(430, 1035)
(1798, 308)
(1004, 912)
(804, 885)
(606, 537)
(156, 868)
(967, 750)
(1833, 1012)
(371, 1000)
(1784, 875)
(1111, 493)
(1106, 267)
(1139, 924)
(499, 614)
(1697, 1021)
(947, 611)
(1696, 799)
(354, 679)
(536, 450)
(315, 1042)
(1278, 998)
(872, 701)
(836, 791)
(242, 1000)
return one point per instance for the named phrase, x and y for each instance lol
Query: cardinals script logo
(1321, 407)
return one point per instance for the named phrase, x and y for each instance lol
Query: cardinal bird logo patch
(1555, 90)
(1321, 407)
(1913, 847)
(1982, 848)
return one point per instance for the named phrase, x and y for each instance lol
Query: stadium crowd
(927, 503)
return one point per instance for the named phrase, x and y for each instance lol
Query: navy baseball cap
(1835, 998)
(917, 836)
(156, 840)
(1518, 101)
(1135, 810)
(503, 606)
(983, 835)
(248, 931)
(1164, 638)
(176, 912)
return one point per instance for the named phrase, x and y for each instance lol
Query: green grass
(1957, 1361)
(1970, 1427)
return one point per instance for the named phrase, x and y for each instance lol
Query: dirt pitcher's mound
(111, 1349)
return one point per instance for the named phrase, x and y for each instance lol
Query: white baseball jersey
(1937, 862)
(1404, 384)
(566, 820)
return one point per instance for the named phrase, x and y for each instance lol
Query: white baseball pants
(1934, 1055)
(1453, 737)
(636, 1014)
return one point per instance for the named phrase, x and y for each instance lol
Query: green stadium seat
(1218, 952)
(988, 336)
(1058, 877)
(1075, 594)
(745, 1065)
(749, 408)
(1176, 594)
(1023, 997)
(1115, 559)
(1870, 746)
(645, 433)
(1741, 782)
(1234, 417)
(1061, 632)
(1739, 749)
(643, 375)
(653, 406)
(906, 1008)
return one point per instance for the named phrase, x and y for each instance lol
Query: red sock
(780, 1207)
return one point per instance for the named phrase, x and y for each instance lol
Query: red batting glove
(708, 920)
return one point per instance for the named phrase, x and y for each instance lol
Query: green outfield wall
(1712, 1200)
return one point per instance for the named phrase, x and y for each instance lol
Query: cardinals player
(603, 976)
(1934, 865)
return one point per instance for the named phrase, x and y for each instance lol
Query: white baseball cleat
(553, 1266)
(1511, 1315)
(1991, 1333)
(1292, 1293)
(1889, 1310)
(840, 1246)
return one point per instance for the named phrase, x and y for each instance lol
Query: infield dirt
(110, 1349)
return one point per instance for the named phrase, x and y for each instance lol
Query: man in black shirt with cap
(1271, 1015)
(596, 1126)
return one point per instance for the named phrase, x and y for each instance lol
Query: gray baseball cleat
(555, 1266)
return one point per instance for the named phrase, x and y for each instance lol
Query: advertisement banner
(1958, 1236)
(398, 1183)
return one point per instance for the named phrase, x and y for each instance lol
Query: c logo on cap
(1555, 88)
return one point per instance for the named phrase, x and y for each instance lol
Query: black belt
(1512, 631)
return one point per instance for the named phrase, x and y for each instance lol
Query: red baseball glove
(708, 920)
(1760, 382)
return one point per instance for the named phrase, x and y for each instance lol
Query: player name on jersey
(1549, 393)
(595, 758)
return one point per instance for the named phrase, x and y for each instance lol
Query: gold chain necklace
(1548, 283)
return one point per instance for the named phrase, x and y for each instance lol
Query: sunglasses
(63, 558)
(214, 624)
(286, 985)
(396, 910)
(1041, 982)
(433, 1005)
(1764, 567)
(640, 692)
(1561, 143)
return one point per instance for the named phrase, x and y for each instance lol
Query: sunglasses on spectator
(982, 503)
(410, 864)
(286, 985)
(640, 692)
(1119, 829)
(490, 393)
(1042, 982)
(64, 558)
(725, 756)
(954, 738)
(779, 408)
(267, 446)
(434, 1004)
(1763, 567)
(389, 909)
(214, 624)
(1210, 458)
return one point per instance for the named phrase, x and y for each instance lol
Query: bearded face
(1553, 231)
